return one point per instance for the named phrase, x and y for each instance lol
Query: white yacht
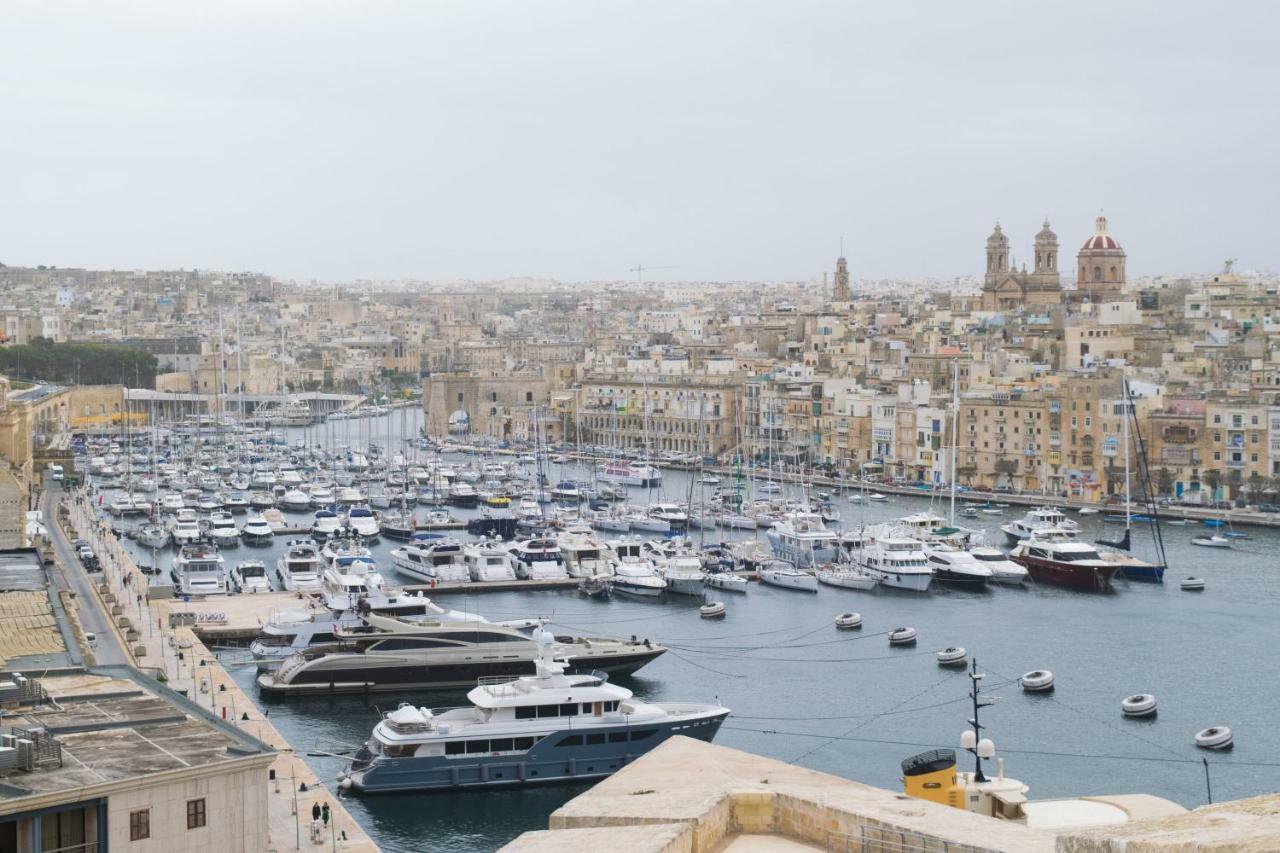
(431, 558)
(629, 473)
(251, 576)
(185, 527)
(152, 536)
(784, 574)
(257, 531)
(1003, 570)
(348, 580)
(539, 558)
(897, 561)
(324, 524)
(199, 570)
(171, 501)
(955, 565)
(488, 560)
(1038, 521)
(672, 514)
(846, 576)
(680, 565)
(536, 728)
(803, 539)
(363, 523)
(295, 500)
(584, 555)
(128, 504)
(321, 496)
(298, 568)
(223, 530)
(633, 572)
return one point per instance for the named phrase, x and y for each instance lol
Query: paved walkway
(189, 667)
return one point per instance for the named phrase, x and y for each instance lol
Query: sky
(574, 140)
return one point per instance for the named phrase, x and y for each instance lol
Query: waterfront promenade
(137, 631)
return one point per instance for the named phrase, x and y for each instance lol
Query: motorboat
(237, 502)
(362, 522)
(171, 502)
(325, 523)
(386, 653)
(671, 514)
(298, 568)
(1210, 540)
(432, 558)
(598, 587)
(343, 546)
(726, 581)
(321, 496)
(274, 519)
(898, 562)
(463, 494)
(539, 558)
(129, 504)
(153, 536)
(1041, 519)
(1003, 570)
(786, 575)
(397, 524)
(488, 560)
(629, 473)
(584, 555)
(1057, 558)
(633, 572)
(545, 727)
(957, 566)
(185, 527)
(199, 570)
(257, 531)
(251, 576)
(295, 500)
(348, 581)
(801, 538)
(679, 563)
(223, 530)
(261, 500)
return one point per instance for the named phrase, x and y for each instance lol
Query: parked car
(1268, 508)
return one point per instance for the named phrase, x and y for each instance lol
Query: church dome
(1100, 240)
(1046, 234)
(998, 237)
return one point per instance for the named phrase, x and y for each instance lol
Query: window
(195, 813)
(571, 740)
(525, 742)
(455, 747)
(139, 824)
(501, 745)
(528, 396)
(569, 709)
(643, 734)
(526, 712)
(474, 747)
(593, 740)
(617, 737)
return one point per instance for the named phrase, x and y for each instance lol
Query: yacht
(1039, 520)
(291, 632)
(633, 572)
(295, 500)
(223, 530)
(199, 570)
(348, 580)
(257, 531)
(321, 496)
(432, 558)
(274, 519)
(152, 536)
(1003, 570)
(185, 527)
(549, 726)
(803, 539)
(463, 494)
(363, 523)
(955, 565)
(261, 500)
(629, 473)
(1056, 557)
(846, 575)
(129, 505)
(584, 555)
(539, 558)
(395, 524)
(384, 653)
(897, 561)
(784, 574)
(298, 568)
(671, 514)
(325, 524)
(341, 546)
(237, 502)
(251, 576)
(680, 565)
(171, 501)
(488, 560)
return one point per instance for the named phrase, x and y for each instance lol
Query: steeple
(840, 292)
(997, 254)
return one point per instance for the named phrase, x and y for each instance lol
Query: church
(1100, 262)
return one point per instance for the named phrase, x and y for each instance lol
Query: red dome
(1100, 241)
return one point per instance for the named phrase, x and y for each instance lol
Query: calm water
(847, 704)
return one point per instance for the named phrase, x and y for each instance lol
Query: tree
(1164, 482)
(1213, 479)
(1235, 479)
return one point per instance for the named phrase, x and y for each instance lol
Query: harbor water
(845, 703)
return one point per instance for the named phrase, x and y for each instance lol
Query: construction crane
(639, 270)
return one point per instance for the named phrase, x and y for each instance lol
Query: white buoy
(1138, 705)
(951, 656)
(1193, 584)
(846, 621)
(1037, 681)
(712, 610)
(902, 636)
(1214, 737)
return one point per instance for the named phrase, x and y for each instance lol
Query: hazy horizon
(571, 141)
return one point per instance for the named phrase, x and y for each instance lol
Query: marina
(775, 636)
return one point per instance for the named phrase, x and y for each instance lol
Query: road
(72, 576)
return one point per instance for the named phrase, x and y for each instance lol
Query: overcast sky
(731, 140)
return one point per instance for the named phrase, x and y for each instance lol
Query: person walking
(324, 814)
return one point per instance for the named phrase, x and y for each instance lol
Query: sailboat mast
(955, 441)
(1124, 393)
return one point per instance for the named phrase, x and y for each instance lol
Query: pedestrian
(324, 814)
(315, 811)
(317, 828)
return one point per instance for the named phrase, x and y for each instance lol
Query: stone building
(1006, 288)
(480, 402)
(1100, 265)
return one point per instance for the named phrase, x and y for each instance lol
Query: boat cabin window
(404, 644)
(643, 734)
(571, 740)
(477, 747)
(395, 750)
(595, 740)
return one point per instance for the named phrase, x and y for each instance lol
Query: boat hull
(1083, 577)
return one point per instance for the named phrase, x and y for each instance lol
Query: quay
(174, 654)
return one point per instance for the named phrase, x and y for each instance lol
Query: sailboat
(1119, 549)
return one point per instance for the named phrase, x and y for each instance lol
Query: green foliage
(90, 364)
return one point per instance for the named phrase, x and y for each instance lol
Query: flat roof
(113, 724)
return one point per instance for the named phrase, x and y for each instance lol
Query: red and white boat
(1059, 559)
